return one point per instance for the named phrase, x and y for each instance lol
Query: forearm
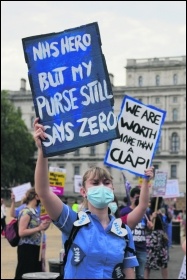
(144, 195)
(135, 216)
(41, 175)
(12, 209)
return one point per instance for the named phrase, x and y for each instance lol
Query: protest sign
(57, 177)
(77, 183)
(172, 188)
(159, 183)
(20, 191)
(140, 182)
(43, 213)
(71, 88)
(140, 128)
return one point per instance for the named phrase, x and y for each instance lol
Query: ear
(83, 192)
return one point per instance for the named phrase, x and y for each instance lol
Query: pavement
(54, 244)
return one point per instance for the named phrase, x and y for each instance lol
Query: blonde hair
(94, 173)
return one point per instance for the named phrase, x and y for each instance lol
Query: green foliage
(17, 146)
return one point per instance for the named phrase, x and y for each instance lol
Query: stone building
(160, 82)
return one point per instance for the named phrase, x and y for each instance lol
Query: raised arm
(12, 206)
(135, 216)
(50, 201)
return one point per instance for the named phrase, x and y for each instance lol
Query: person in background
(65, 200)
(184, 246)
(100, 242)
(30, 228)
(135, 216)
(123, 203)
(138, 232)
(75, 206)
(3, 217)
(156, 245)
(14, 213)
(167, 222)
(183, 224)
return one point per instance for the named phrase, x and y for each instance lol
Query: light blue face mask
(100, 196)
(113, 207)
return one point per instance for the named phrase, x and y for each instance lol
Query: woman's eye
(107, 183)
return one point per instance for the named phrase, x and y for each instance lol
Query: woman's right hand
(39, 133)
(44, 225)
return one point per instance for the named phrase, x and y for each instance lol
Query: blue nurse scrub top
(96, 253)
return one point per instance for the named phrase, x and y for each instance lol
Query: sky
(128, 30)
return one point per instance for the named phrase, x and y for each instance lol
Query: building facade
(160, 82)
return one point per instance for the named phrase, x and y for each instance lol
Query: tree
(17, 146)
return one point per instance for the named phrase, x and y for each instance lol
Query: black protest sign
(71, 89)
(140, 129)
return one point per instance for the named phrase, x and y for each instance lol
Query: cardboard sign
(43, 213)
(140, 129)
(77, 183)
(172, 188)
(159, 183)
(20, 191)
(71, 88)
(140, 182)
(57, 177)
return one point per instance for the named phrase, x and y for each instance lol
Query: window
(62, 166)
(174, 142)
(77, 152)
(76, 170)
(157, 100)
(92, 151)
(173, 171)
(175, 79)
(175, 114)
(174, 99)
(157, 80)
(140, 81)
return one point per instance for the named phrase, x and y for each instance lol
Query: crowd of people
(121, 242)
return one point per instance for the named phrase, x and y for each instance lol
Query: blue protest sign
(71, 88)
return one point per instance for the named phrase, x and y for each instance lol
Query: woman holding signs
(99, 249)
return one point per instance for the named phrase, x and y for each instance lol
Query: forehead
(98, 175)
(97, 178)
